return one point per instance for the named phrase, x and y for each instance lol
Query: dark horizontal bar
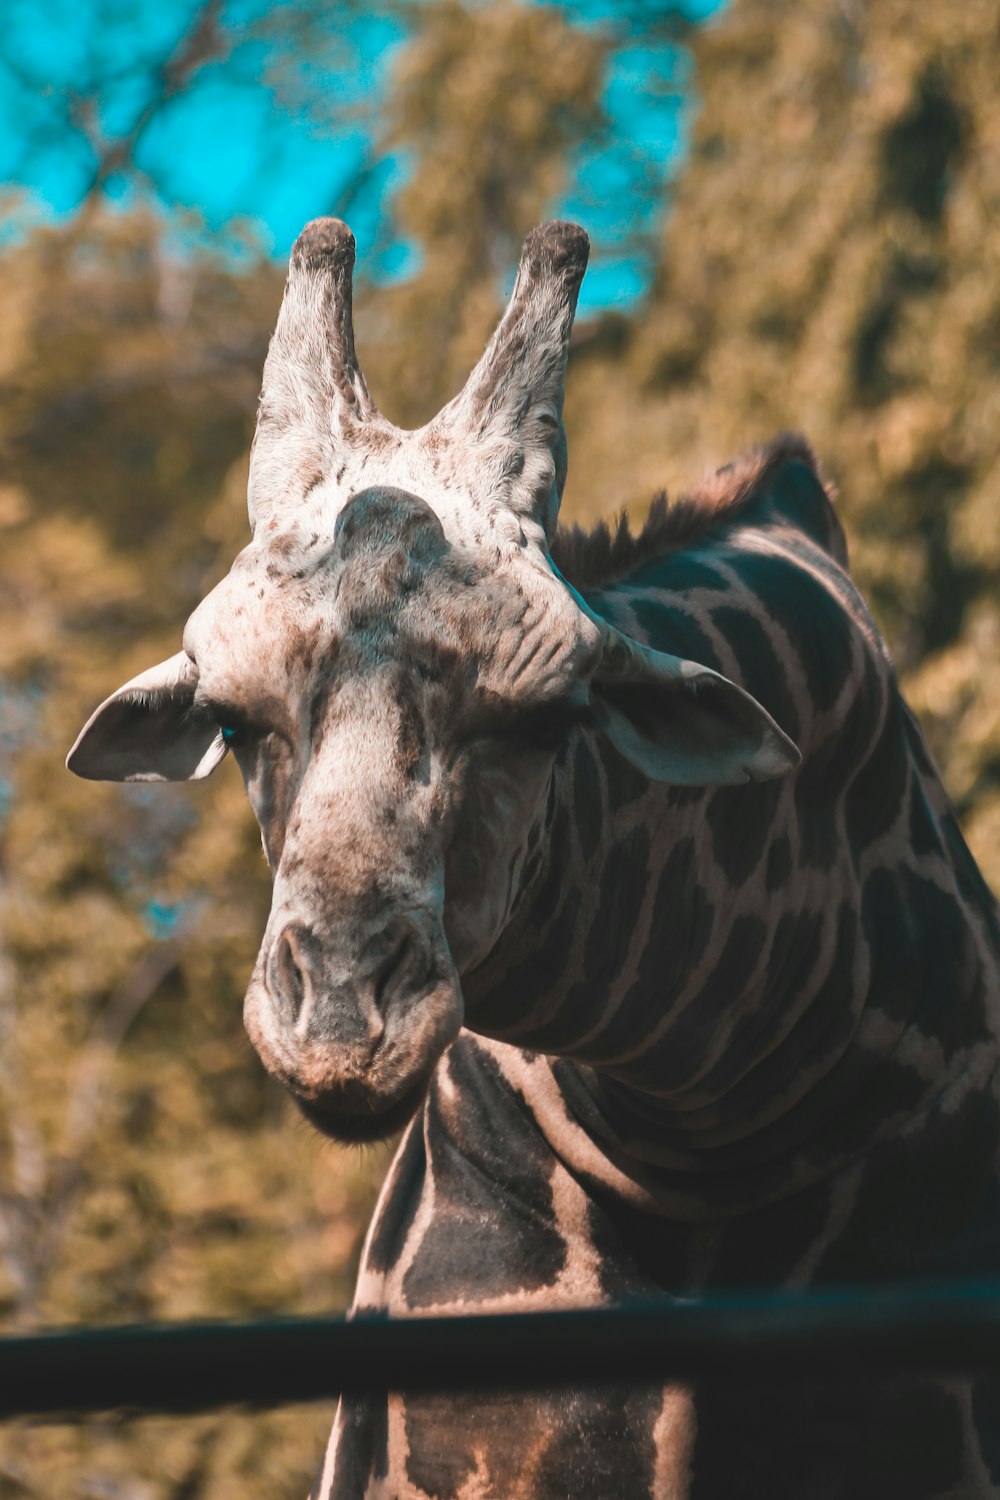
(186, 1367)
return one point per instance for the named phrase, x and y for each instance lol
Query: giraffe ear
(682, 723)
(150, 730)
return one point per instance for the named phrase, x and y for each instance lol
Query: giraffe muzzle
(355, 1045)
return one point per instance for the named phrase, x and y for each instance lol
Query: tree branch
(200, 44)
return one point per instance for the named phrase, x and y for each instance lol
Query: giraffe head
(395, 663)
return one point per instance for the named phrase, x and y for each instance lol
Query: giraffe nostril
(393, 971)
(404, 967)
(288, 973)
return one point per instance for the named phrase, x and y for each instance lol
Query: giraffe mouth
(356, 1073)
(351, 1125)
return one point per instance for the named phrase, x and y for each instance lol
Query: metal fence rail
(187, 1367)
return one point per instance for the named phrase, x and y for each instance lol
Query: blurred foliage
(830, 261)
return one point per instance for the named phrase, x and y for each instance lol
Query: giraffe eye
(235, 732)
(233, 725)
(549, 724)
(543, 727)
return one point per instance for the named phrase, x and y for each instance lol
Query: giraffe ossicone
(612, 868)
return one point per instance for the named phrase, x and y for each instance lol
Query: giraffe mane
(610, 551)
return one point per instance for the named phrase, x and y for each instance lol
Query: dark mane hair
(607, 553)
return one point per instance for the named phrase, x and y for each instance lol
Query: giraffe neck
(746, 988)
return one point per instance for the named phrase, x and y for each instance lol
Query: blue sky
(233, 149)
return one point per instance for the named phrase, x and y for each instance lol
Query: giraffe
(613, 869)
